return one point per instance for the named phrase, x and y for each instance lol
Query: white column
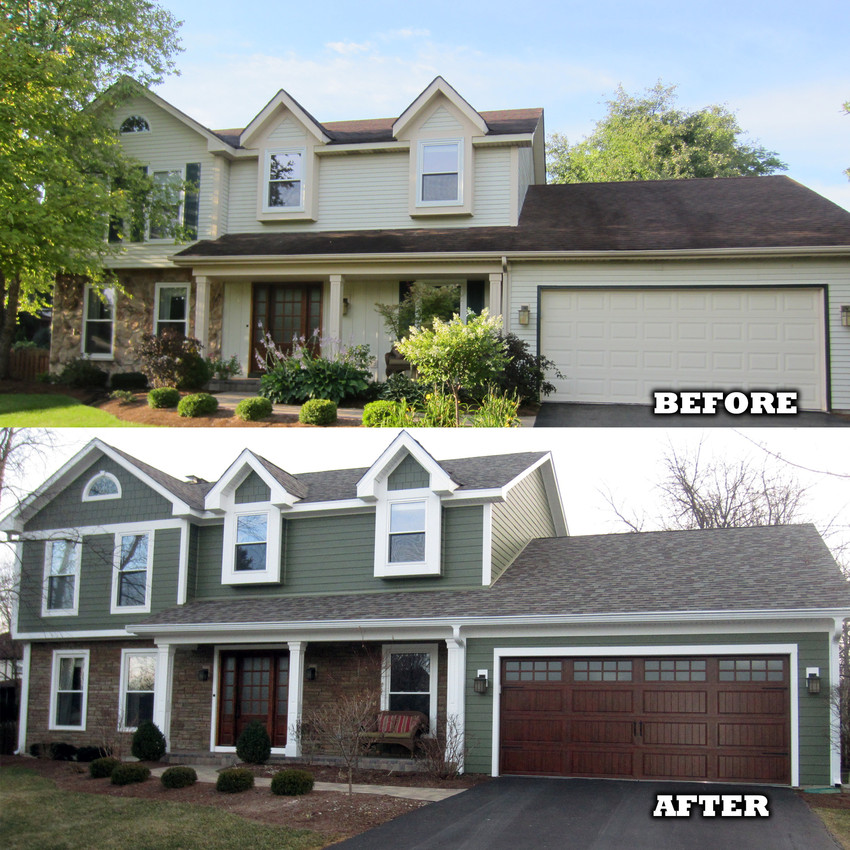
(496, 294)
(25, 699)
(162, 690)
(296, 698)
(202, 312)
(455, 695)
(335, 311)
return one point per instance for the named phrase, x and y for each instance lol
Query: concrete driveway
(515, 813)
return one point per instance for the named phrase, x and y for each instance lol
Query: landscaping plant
(128, 381)
(102, 768)
(223, 370)
(317, 411)
(83, 374)
(291, 783)
(254, 409)
(383, 413)
(524, 375)
(171, 360)
(163, 398)
(254, 745)
(178, 776)
(234, 780)
(127, 773)
(197, 404)
(148, 742)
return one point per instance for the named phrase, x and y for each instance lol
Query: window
(138, 678)
(602, 671)
(61, 591)
(675, 670)
(252, 544)
(131, 576)
(534, 670)
(165, 214)
(407, 532)
(410, 679)
(172, 303)
(751, 670)
(440, 173)
(251, 537)
(103, 486)
(407, 536)
(135, 124)
(284, 181)
(98, 323)
(68, 689)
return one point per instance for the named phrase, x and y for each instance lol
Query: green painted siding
(138, 502)
(408, 475)
(337, 555)
(96, 584)
(252, 489)
(813, 651)
(523, 516)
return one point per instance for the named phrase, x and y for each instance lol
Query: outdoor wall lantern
(479, 683)
(310, 674)
(345, 305)
(524, 315)
(845, 315)
(813, 680)
(204, 674)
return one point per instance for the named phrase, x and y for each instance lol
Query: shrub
(130, 772)
(172, 360)
(381, 414)
(401, 386)
(179, 776)
(83, 374)
(252, 409)
(89, 754)
(291, 783)
(148, 742)
(224, 369)
(497, 411)
(234, 780)
(102, 768)
(284, 383)
(317, 411)
(524, 374)
(197, 404)
(254, 745)
(163, 397)
(61, 751)
(129, 381)
(122, 396)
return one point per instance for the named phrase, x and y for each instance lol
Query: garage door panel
(678, 734)
(528, 731)
(749, 702)
(675, 702)
(762, 768)
(769, 735)
(601, 763)
(601, 732)
(602, 701)
(675, 766)
(539, 762)
(533, 699)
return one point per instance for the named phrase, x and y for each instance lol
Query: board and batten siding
(833, 274)
(325, 555)
(813, 651)
(523, 516)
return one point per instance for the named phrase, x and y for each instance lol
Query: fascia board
(234, 475)
(522, 140)
(553, 493)
(363, 147)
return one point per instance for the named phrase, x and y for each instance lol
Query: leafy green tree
(460, 355)
(63, 173)
(649, 138)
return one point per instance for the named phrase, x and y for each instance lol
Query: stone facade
(191, 700)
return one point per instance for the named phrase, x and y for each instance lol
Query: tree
(649, 138)
(64, 177)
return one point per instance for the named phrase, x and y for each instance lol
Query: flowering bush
(172, 360)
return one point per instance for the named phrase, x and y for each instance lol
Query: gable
(252, 489)
(442, 121)
(408, 475)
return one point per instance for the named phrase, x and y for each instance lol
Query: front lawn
(35, 815)
(50, 410)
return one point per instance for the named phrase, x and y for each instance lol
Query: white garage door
(619, 345)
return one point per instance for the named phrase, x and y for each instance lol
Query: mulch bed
(827, 801)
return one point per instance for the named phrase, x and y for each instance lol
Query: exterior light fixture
(813, 680)
(345, 305)
(524, 315)
(480, 683)
(310, 674)
(845, 315)
(204, 674)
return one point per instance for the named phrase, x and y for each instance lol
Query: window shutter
(192, 199)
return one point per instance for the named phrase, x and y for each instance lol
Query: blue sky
(782, 67)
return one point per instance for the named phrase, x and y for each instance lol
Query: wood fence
(26, 363)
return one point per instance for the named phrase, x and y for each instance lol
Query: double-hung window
(132, 573)
(98, 323)
(406, 538)
(165, 215)
(440, 180)
(252, 545)
(68, 689)
(284, 178)
(172, 308)
(252, 532)
(62, 566)
(410, 679)
(138, 678)
(407, 535)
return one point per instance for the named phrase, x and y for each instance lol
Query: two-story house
(706, 655)
(738, 283)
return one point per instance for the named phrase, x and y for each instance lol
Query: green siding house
(451, 588)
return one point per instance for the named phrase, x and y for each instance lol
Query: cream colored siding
(236, 322)
(442, 121)
(220, 196)
(526, 172)
(242, 208)
(363, 324)
(288, 132)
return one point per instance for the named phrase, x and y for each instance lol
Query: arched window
(135, 124)
(104, 485)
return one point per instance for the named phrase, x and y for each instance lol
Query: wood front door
(253, 686)
(284, 311)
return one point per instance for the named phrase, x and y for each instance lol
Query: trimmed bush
(163, 397)
(291, 783)
(89, 754)
(148, 742)
(179, 776)
(61, 751)
(252, 409)
(317, 411)
(234, 780)
(102, 768)
(129, 381)
(82, 374)
(379, 414)
(197, 404)
(254, 745)
(129, 772)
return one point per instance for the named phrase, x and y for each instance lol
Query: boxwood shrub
(129, 381)
(252, 409)
(317, 411)
(197, 404)
(148, 742)
(254, 745)
(88, 754)
(163, 397)
(127, 773)
(380, 414)
(291, 783)
(179, 776)
(102, 768)
(233, 780)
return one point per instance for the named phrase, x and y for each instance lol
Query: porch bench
(397, 727)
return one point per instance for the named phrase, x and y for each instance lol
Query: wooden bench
(397, 727)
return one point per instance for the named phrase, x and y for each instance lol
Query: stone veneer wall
(191, 700)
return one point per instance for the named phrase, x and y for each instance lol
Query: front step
(249, 386)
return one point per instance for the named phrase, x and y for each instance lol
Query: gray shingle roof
(771, 568)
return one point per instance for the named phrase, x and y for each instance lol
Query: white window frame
(430, 565)
(101, 474)
(134, 132)
(59, 654)
(115, 608)
(89, 293)
(271, 574)
(123, 690)
(431, 649)
(178, 217)
(266, 180)
(45, 596)
(158, 290)
(420, 172)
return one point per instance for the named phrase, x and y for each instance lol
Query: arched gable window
(104, 485)
(135, 124)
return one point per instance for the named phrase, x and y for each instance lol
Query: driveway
(555, 414)
(515, 813)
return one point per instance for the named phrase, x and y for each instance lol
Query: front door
(284, 312)
(253, 686)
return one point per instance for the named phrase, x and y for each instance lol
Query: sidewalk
(206, 773)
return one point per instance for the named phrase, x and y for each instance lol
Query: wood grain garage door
(695, 718)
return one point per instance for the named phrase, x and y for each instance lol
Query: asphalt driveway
(514, 813)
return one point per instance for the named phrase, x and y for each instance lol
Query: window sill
(407, 570)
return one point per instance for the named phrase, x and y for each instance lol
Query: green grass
(23, 410)
(35, 815)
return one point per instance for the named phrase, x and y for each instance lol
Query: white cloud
(348, 47)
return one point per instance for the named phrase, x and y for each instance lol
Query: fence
(26, 363)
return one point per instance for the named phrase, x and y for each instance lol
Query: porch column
(202, 312)
(496, 294)
(455, 698)
(296, 698)
(162, 690)
(335, 311)
(26, 660)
